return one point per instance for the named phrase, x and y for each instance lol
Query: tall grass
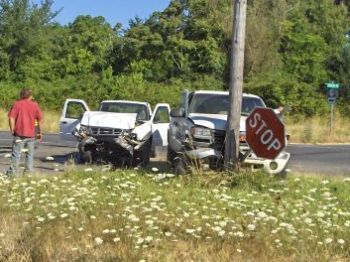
(50, 123)
(128, 216)
(317, 129)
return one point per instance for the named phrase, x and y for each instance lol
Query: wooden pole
(236, 85)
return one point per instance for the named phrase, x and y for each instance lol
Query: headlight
(201, 132)
(242, 137)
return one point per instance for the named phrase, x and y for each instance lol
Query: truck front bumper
(274, 166)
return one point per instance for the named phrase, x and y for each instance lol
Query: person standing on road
(22, 117)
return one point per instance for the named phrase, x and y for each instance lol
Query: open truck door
(160, 126)
(72, 113)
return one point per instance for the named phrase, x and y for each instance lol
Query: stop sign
(265, 133)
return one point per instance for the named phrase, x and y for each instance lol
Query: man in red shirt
(22, 117)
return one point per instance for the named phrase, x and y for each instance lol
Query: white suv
(197, 131)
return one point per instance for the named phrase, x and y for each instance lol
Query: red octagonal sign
(265, 133)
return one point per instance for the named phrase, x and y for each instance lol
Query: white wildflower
(239, 234)
(148, 238)
(41, 219)
(133, 218)
(326, 194)
(190, 231)
(116, 239)
(221, 233)
(64, 215)
(328, 240)
(222, 223)
(262, 214)
(140, 241)
(98, 240)
(320, 214)
(308, 220)
(217, 228)
(325, 182)
(88, 169)
(167, 234)
(105, 231)
(341, 241)
(251, 227)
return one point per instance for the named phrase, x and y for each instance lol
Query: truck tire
(180, 165)
(145, 153)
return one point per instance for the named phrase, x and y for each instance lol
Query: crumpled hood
(108, 119)
(215, 121)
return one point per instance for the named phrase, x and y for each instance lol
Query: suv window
(219, 104)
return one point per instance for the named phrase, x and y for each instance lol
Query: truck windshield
(140, 110)
(219, 104)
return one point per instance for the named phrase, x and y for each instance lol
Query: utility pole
(236, 84)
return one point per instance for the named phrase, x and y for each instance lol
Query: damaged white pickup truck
(121, 133)
(198, 127)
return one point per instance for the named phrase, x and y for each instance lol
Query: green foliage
(292, 49)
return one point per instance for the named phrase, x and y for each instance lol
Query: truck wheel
(145, 153)
(84, 157)
(180, 165)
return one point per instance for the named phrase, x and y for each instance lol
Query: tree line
(293, 48)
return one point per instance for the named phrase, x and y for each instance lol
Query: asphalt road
(319, 159)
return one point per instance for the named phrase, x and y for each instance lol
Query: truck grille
(105, 131)
(219, 140)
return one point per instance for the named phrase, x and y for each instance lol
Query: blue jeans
(20, 143)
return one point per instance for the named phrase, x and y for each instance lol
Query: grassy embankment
(51, 121)
(129, 216)
(312, 130)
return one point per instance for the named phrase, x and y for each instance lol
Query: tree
(23, 39)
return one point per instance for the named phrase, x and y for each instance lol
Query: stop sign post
(265, 133)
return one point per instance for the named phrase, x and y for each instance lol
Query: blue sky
(115, 11)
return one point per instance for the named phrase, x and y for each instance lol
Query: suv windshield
(219, 104)
(140, 110)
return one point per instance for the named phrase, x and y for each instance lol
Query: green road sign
(332, 85)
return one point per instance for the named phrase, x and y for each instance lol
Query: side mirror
(177, 112)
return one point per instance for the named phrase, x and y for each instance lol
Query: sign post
(333, 94)
(236, 85)
(265, 133)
